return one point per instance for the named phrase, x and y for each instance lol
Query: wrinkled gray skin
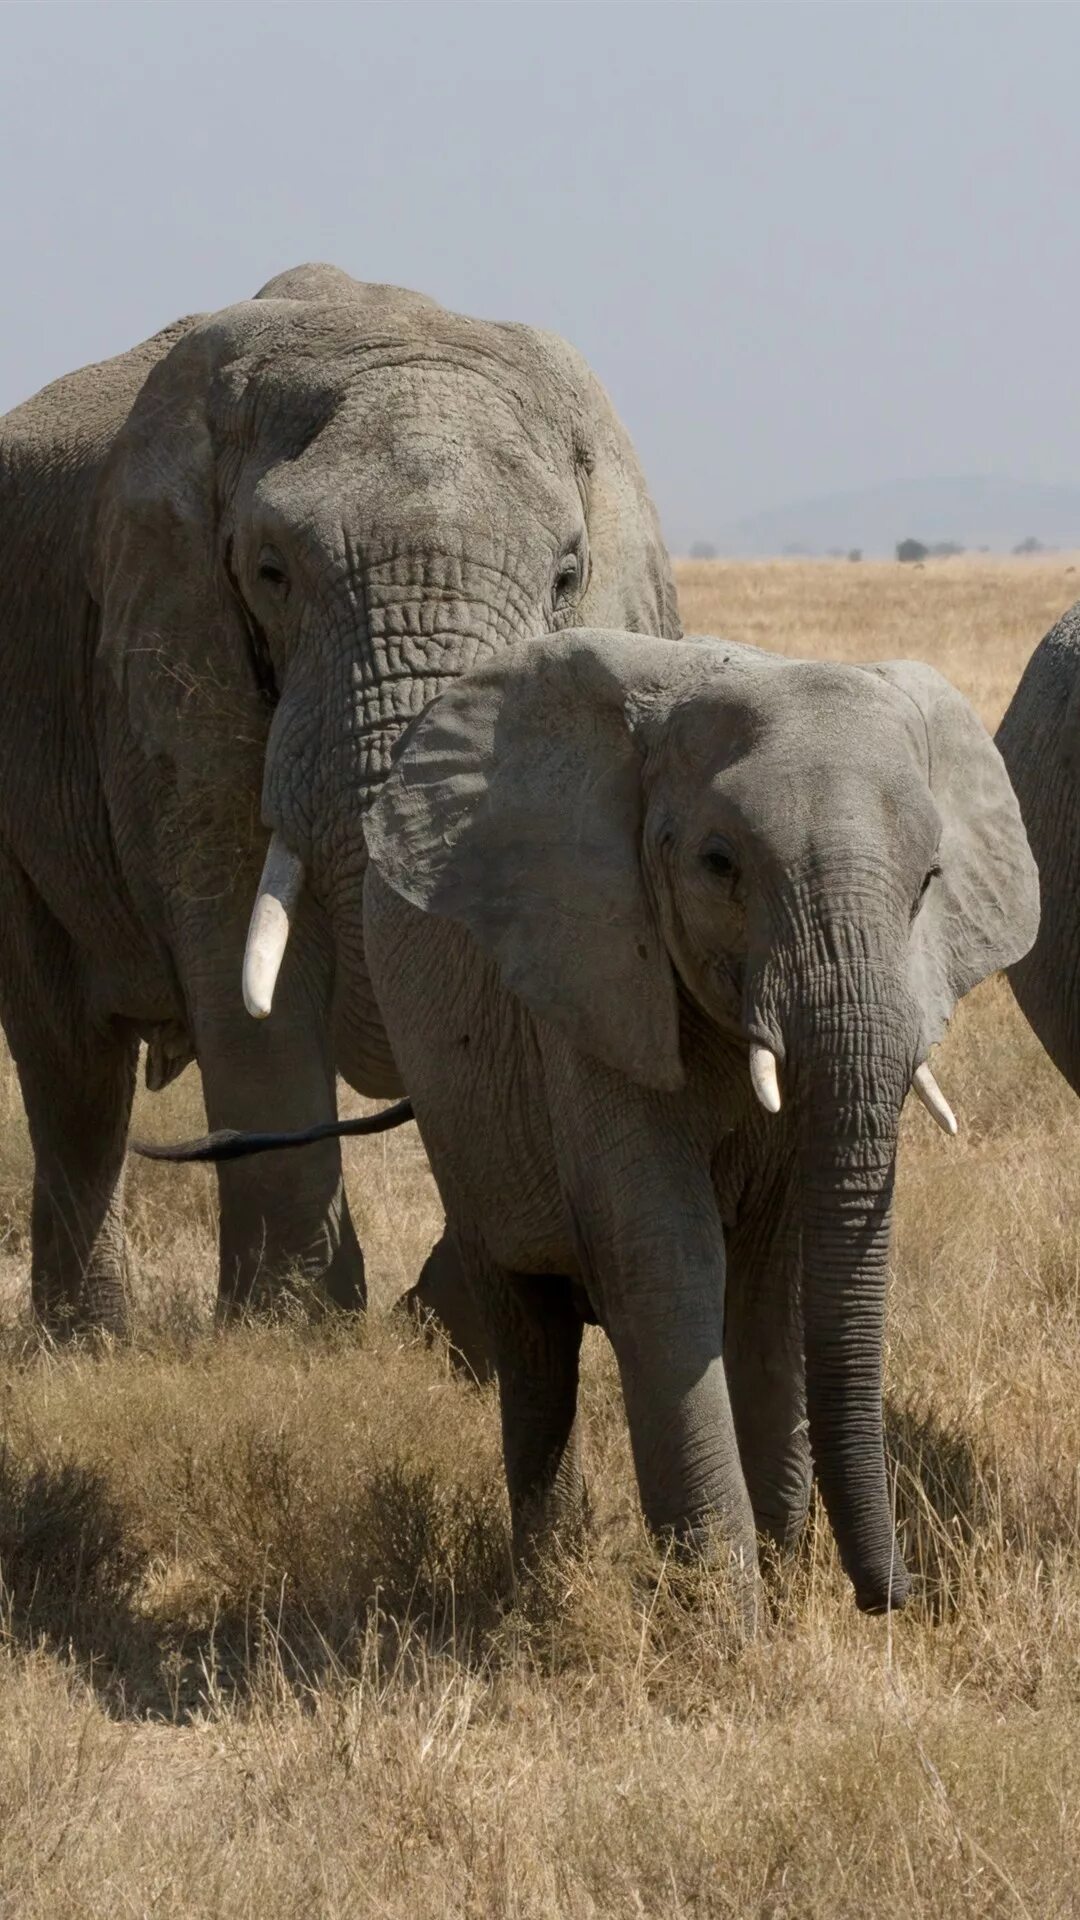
(1039, 740)
(237, 560)
(601, 867)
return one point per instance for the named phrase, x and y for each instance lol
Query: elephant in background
(662, 934)
(239, 559)
(1039, 741)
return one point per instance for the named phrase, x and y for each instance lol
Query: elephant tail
(231, 1145)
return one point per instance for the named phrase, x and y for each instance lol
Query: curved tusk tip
(268, 931)
(763, 1078)
(934, 1100)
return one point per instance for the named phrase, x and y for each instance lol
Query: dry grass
(976, 619)
(259, 1652)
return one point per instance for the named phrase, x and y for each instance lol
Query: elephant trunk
(848, 1048)
(853, 1055)
(387, 650)
(845, 1255)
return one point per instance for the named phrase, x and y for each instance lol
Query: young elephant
(620, 887)
(607, 870)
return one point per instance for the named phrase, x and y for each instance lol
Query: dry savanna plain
(260, 1653)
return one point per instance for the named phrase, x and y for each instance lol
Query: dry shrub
(260, 1652)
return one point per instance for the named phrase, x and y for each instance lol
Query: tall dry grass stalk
(260, 1654)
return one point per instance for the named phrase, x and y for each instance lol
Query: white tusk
(933, 1099)
(763, 1076)
(268, 935)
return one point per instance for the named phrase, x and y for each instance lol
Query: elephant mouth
(765, 1080)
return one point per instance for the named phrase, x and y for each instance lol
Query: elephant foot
(780, 1520)
(708, 1564)
(782, 1534)
(441, 1305)
(312, 1294)
(344, 1282)
(100, 1314)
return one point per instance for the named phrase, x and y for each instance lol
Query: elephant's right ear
(631, 584)
(173, 639)
(515, 807)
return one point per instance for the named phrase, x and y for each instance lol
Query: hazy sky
(807, 247)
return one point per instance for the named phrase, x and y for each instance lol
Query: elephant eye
(932, 873)
(719, 859)
(567, 578)
(272, 571)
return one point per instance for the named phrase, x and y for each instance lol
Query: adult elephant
(238, 559)
(1039, 740)
(618, 889)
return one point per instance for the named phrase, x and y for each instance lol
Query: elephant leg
(284, 1218)
(764, 1362)
(284, 1221)
(442, 1301)
(77, 1079)
(651, 1242)
(682, 1432)
(535, 1329)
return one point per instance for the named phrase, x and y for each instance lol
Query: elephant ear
(631, 585)
(173, 638)
(515, 806)
(983, 912)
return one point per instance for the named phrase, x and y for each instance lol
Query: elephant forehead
(750, 703)
(844, 705)
(288, 364)
(814, 802)
(451, 486)
(420, 411)
(493, 539)
(798, 753)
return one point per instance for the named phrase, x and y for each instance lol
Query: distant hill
(974, 510)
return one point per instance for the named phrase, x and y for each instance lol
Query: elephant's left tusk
(933, 1099)
(268, 935)
(763, 1077)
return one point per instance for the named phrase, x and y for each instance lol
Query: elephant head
(325, 503)
(823, 858)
